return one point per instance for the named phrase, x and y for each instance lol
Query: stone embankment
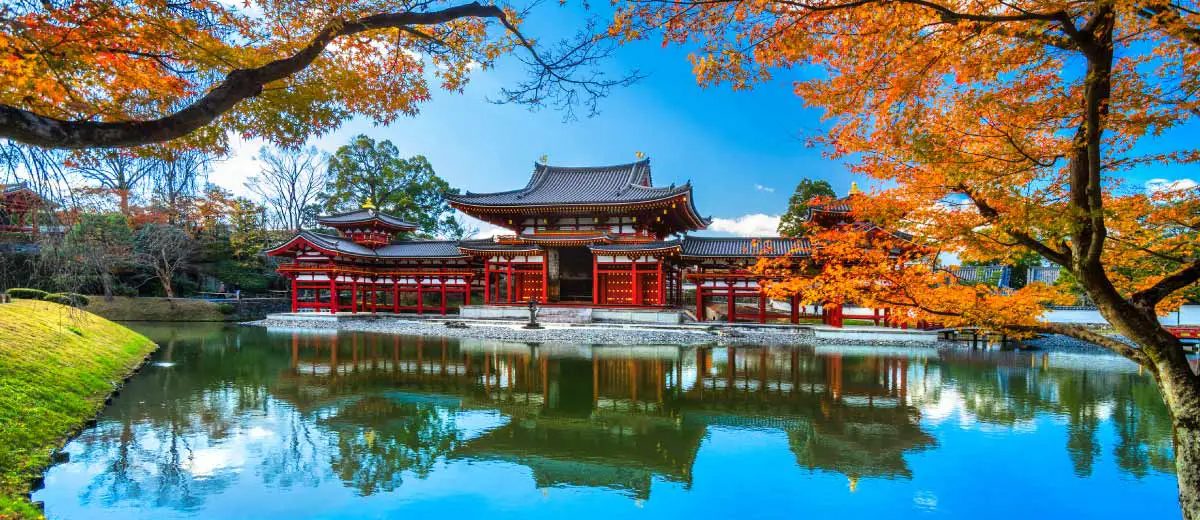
(594, 334)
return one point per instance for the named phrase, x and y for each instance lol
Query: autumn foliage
(993, 130)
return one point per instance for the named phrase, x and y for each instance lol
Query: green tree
(247, 228)
(790, 224)
(405, 188)
(100, 244)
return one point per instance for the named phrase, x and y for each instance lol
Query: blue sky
(743, 151)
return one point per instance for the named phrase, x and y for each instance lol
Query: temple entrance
(574, 274)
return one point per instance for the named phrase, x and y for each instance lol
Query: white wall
(1188, 315)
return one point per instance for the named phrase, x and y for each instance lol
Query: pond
(247, 423)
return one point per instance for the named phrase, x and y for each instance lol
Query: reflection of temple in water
(619, 417)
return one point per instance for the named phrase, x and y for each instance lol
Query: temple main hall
(602, 237)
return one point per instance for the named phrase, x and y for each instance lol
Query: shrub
(27, 294)
(225, 308)
(72, 299)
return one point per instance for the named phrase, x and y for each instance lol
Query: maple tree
(997, 128)
(117, 73)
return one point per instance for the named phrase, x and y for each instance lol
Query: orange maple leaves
(141, 59)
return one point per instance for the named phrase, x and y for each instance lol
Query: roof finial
(854, 189)
(640, 155)
(545, 158)
(367, 204)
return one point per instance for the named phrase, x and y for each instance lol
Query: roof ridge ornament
(368, 204)
(854, 189)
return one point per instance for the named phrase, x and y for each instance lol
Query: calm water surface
(249, 423)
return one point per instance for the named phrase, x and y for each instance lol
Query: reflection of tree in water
(149, 440)
(379, 439)
(1143, 429)
(865, 442)
(605, 422)
(1008, 395)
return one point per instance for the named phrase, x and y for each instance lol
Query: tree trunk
(1178, 384)
(106, 282)
(1185, 416)
(166, 283)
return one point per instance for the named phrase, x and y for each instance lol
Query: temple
(597, 237)
(20, 208)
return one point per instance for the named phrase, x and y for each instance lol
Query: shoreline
(594, 334)
(82, 361)
(614, 334)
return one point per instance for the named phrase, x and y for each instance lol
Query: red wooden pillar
(662, 286)
(595, 280)
(443, 279)
(354, 296)
(795, 309)
(395, 295)
(295, 298)
(762, 307)
(420, 294)
(731, 303)
(637, 283)
(699, 300)
(545, 277)
(511, 280)
(835, 316)
(487, 277)
(466, 291)
(333, 293)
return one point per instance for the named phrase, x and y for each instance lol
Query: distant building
(24, 214)
(587, 236)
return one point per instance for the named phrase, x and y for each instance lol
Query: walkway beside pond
(616, 334)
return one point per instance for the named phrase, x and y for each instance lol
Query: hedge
(19, 293)
(72, 299)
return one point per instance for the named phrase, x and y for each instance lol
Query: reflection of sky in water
(253, 432)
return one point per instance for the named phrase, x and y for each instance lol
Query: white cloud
(486, 230)
(1161, 185)
(767, 189)
(231, 172)
(756, 224)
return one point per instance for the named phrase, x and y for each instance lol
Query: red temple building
(598, 237)
(20, 210)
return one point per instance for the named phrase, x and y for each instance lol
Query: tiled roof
(567, 237)
(365, 215)
(421, 249)
(488, 244)
(13, 188)
(723, 247)
(644, 246)
(622, 183)
(404, 249)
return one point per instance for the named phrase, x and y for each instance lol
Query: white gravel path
(577, 334)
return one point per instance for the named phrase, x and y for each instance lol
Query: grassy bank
(57, 365)
(124, 308)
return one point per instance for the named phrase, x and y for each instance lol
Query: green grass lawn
(57, 365)
(124, 308)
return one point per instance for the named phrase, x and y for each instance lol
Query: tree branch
(1182, 277)
(1062, 258)
(30, 128)
(1082, 333)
